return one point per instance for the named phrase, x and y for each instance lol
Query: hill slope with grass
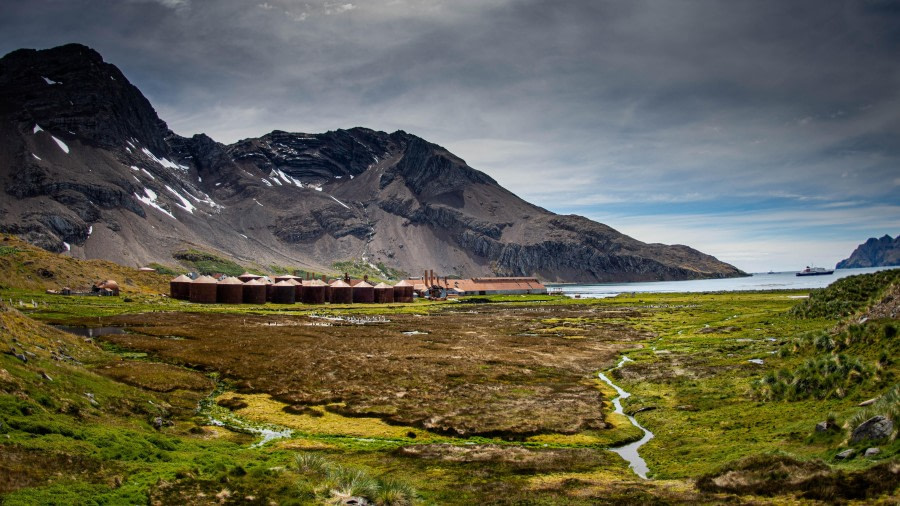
(27, 267)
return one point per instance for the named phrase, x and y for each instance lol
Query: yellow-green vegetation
(207, 263)
(378, 273)
(318, 420)
(29, 268)
(491, 401)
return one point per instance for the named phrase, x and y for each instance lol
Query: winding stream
(629, 451)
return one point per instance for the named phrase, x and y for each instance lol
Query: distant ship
(815, 271)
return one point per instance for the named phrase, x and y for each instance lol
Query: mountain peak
(70, 90)
(92, 170)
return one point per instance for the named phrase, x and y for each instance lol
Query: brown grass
(494, 374)
(28, 267)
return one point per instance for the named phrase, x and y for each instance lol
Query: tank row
(253, 289)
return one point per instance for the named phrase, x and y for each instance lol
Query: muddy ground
(497, 369)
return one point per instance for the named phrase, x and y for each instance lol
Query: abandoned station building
(254, 289)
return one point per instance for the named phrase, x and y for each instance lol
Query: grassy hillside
(26, 267)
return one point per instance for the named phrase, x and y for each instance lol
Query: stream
(267, 434)
(629, 451)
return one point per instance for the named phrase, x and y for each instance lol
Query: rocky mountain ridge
(89, 168)
(875, 252)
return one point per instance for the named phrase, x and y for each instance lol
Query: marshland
(491, 400)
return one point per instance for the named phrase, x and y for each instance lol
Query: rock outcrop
(89, 168)
(875, 252)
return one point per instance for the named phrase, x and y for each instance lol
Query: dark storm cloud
(588, 102)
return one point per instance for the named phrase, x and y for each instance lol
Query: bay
(756, 282)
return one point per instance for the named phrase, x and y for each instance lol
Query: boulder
(846, 454)
(823, 427)
(877, 427)
(871, 452)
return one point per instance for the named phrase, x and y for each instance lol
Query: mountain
(89, 168)
(883, 252)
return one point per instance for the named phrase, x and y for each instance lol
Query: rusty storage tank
(298, 291)
(254, 292)
(384, 293)
(180, 288)
(248, 276)
(230, 291)
(363, 293)
(270, 288)
(286, 277)
(403, 292)
(283, 293)
(204, 290)
(341, 293)
(314, 292)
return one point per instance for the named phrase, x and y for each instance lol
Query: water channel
(629, 451)
(90, 331)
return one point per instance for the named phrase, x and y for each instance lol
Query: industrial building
(292, 289)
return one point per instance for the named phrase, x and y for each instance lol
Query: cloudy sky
(764, 132)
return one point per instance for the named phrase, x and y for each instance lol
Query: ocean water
(759, 281)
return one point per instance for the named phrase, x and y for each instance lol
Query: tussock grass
(819, 378)
(336, 483)
(847, 296)
(888, 405)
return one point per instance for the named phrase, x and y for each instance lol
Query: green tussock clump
(888, 405)
(817, 378)
(331, 481)
(846, 296)
(834, 363)
(207, 263)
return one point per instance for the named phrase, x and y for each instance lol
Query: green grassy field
(494, 401)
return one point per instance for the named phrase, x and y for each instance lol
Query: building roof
(494, 284)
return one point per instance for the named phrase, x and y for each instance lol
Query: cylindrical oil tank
(248, 276)
(403, 292)
(230, 291)
(384, 293)
(314, 292)
(298, 290)
(286, 277)
(270, 288)
(180, 288)
(254, 292)
(341, 293)
(283, 293)
(204, 290)
(363, 293)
